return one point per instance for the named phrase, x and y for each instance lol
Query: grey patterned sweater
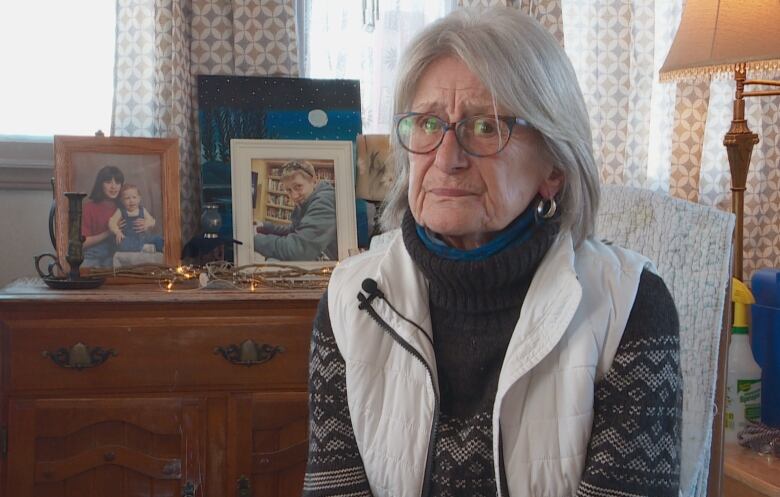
(634, 448)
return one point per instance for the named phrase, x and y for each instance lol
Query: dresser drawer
(160, 354)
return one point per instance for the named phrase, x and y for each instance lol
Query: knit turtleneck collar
(518, 231)
(493, 283)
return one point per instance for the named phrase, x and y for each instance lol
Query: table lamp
(730, 36)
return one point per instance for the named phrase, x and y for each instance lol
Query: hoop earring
(546, 211)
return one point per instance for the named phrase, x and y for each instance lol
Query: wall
(23, 231)
(25, 198)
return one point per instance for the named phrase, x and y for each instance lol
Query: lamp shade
(715, 35)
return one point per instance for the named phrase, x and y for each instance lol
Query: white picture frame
(266, 157)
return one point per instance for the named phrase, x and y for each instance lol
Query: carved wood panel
(267, 434)
(98, 447)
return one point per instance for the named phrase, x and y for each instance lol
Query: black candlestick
(75, 254)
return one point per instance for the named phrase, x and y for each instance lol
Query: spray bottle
(743, 380)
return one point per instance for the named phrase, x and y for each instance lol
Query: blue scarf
(516, 233)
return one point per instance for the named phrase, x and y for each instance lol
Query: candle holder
(75, 254)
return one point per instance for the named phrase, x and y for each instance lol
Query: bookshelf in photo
(274, 204)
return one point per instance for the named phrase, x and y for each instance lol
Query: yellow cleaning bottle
(743, 379)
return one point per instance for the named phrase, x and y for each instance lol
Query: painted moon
(318, 118)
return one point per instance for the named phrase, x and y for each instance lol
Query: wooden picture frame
(333, 165)
(150, 168)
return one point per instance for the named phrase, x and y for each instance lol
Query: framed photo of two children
(131, 214)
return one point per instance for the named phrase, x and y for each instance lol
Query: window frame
(26, 162)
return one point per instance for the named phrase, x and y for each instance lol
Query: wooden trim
(21, 442)
(26, 163)
(193, 440)
(32, 292)
(216, 447)
(239, 440)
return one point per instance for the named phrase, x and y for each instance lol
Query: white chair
(691, 246)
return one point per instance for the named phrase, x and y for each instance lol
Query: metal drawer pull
(172, 468)
(249, 353)
(79, 356)
(243, 487)
(189, 489)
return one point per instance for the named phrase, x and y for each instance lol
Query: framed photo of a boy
(303, 211)
(131, 213)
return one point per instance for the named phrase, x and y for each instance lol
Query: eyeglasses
(480, 136)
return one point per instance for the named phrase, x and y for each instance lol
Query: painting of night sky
(271, 108)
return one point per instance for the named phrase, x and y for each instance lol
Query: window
(58, 62)
(341, 41)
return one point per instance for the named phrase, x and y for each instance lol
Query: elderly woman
(311, 234)
(494, 347)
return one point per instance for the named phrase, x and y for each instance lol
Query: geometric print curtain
(161, 48)
(547, 12)
(669, 136)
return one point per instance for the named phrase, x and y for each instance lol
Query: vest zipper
(403, 343)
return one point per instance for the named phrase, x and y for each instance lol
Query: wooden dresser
(134, 391)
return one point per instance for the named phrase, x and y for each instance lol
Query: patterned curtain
(162, 45)
(669, 136)
(547, 12)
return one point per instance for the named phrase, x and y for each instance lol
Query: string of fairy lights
(224, 275)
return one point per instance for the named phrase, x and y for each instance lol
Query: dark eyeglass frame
(510, 121)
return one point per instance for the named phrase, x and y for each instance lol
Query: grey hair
(528, 73)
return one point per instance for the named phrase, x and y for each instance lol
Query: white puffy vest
(570, 325)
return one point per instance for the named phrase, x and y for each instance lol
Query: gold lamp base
(739, 142)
